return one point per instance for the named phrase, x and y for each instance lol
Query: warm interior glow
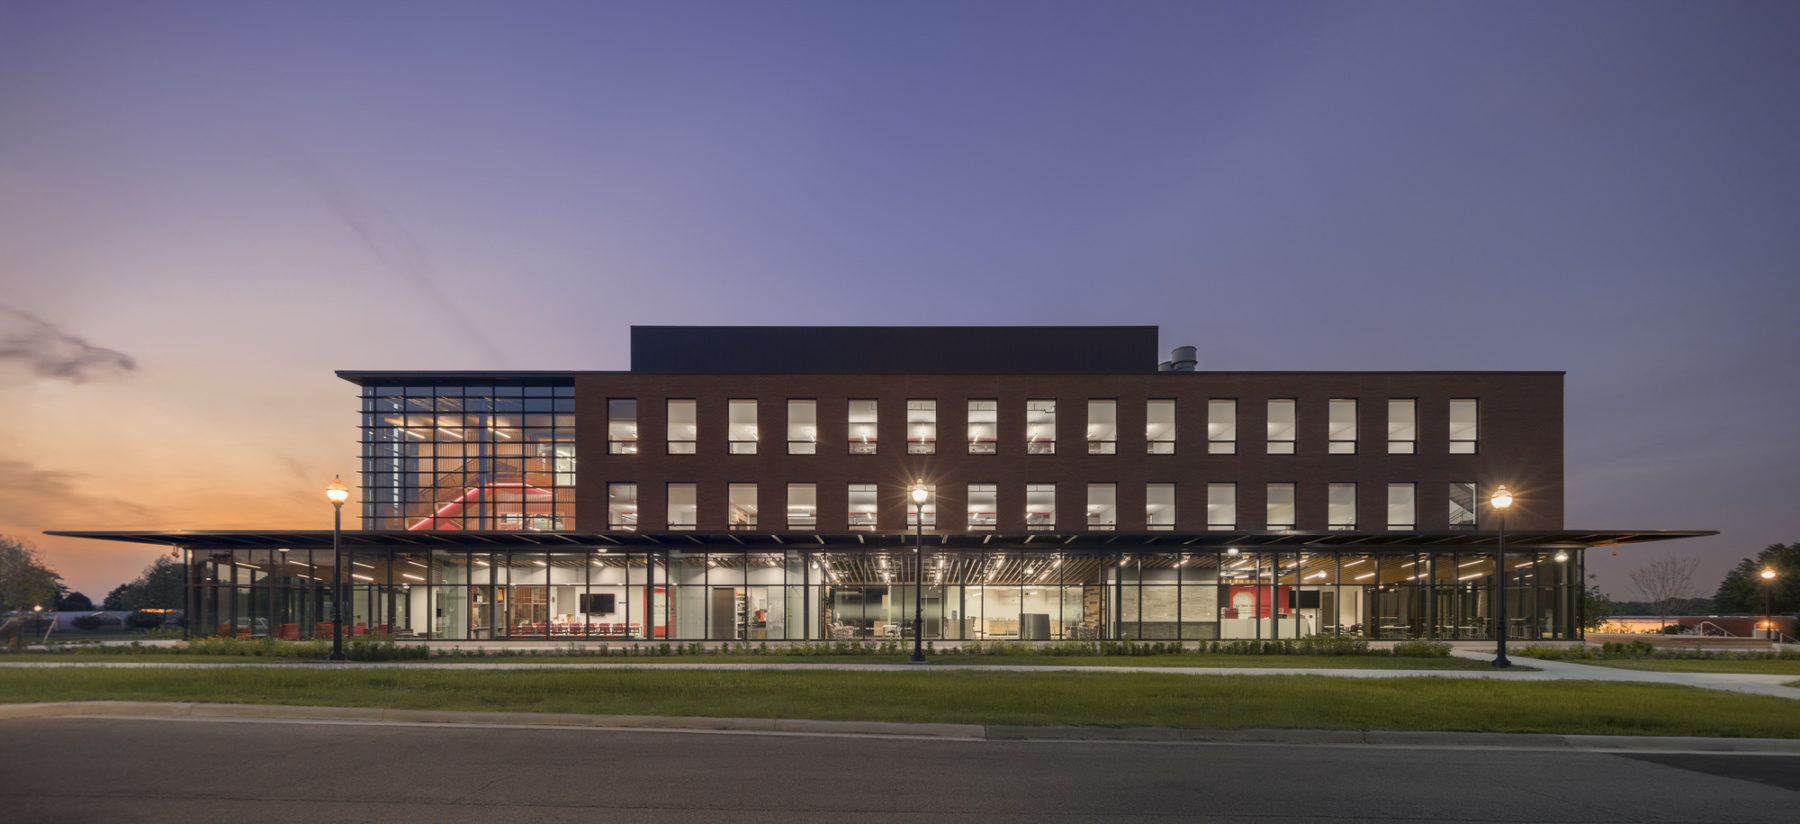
(1502, 498)
(337, 493)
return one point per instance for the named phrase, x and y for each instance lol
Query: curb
(962, 732)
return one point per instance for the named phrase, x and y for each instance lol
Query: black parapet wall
(894, 350)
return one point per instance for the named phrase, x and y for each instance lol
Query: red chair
(288, 632)
(322, 629)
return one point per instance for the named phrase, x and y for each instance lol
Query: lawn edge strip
(967, 732)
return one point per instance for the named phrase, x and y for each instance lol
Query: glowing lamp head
(919, 494)
(337, 493)
(1562, 556)
(1502, 498)
(1231, 550)
(1767, 574)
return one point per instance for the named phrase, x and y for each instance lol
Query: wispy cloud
(52, 498)
(391, 243)
(50, 352)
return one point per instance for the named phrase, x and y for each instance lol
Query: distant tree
(1743, 589)
(1596, 607)
(162, 585)
(24, 583)
(1664, 581)
(73, 602)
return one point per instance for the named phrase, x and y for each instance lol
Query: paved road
(93, 769)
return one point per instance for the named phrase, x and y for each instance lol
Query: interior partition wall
(836, 592)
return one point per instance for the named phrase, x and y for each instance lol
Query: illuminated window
(1040, 506)
(1402, 426)
(682, 507)
(862, 507)
(1462, 426)
(621, 426)
(1221, 427)
(741, 426)
(1159, 507)
(1401, 507)
(1340, 428)
(683, 430)
(1340, 507)
(1159, 427)
(1102, 507)
(921, 427)
(862, 428)
(1281, 426)
(984, 506)
(740, 506)
(1462, 505)
(984, 423)
(1221, 506)
(802, 426)
(1040, 427)
(621, 507)
(1103, 427)
(1280, 507)
(802, 507)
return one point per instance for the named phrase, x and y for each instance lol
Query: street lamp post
(919, 494)
(337, 493)
(1768, 576)
(1500, 501)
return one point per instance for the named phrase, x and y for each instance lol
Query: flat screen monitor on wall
(1303, 599)
(597, 603)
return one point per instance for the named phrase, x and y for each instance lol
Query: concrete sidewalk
(1754, 684)
(957, 732)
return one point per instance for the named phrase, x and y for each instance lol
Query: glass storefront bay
(842, 593)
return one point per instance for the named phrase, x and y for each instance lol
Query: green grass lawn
(986, 697)
(1763, 666)
(1382, 662)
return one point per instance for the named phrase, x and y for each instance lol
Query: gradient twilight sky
(205, 208)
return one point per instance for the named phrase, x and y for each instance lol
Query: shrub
(144, 620)
(87, 621)
(1422, 649)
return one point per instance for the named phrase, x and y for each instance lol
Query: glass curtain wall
(845, 593)
(475, 457)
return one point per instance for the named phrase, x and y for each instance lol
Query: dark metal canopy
(1380, 542)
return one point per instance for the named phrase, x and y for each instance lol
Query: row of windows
(982, 502)
(1102, 436)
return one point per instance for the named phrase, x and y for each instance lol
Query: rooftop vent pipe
(1183, 359)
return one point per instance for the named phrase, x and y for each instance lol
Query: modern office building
(753, 483)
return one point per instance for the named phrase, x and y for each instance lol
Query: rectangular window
(1340, 507)
(740, 430)
(1040, 507)
(1462, 505)
(1340, 428)
(802, 507)
(802, 426)
(740, 509)
(1103, 507)
(1040, 427)
(1159, 507)
(1403, 426)
(1401, 512)
(984, 423)
(1159, 427)
(1462, 426)
(621, 507)
(912, 510)
(621, 426)
(921, 427)
(1279, 507)
(1221, 506)
(1103, 427)
(683, 431)
(862, 506)
(984, 506)
(862, 427)
(682, 507)
(1281, 426)
(1221, 427)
